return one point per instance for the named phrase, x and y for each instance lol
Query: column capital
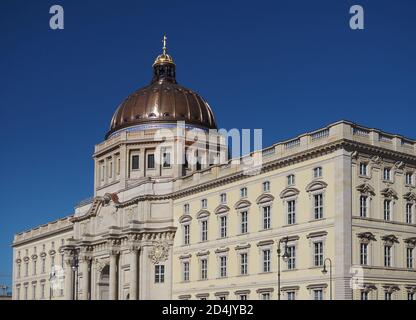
(114, 252)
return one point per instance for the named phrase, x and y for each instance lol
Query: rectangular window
(387, 210)
(151, 161)
(42, 291)
(290, 179)
(43, 265)
(34, 292)
(386, 174)
(159, 274)
(266, 260)
(19, 269)
(318, 254)
(185, 271)
(186, 234)
(318, 205)
(166, 160)
(25, 297)
(291, 262)
(110, 169)
(363, 169)
(204, 269)
(118, 166)
(409, 213)
(223, 226)
(52, 261)
(26, 269)
(223, 266)
(266, 217)
(186, 208)
(18, 294)
(291, 212)
(204, 203)
(364, 295)
(265, 296)
(318, 294)
(364, 254)
(223, 198)
(243, 192)
(135, 162)
(363, 206)
(387, 256)
(266, 186)
(409, 258)
(34, 267)
(243, 297)
(317, 172)
(204, 230)
(387, 295)
(291, 295)
(409, 178)
(243, 224)
(243, 263)
(410, 296)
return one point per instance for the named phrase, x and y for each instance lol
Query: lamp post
(324, 271)
(285, 258)
(74, 268)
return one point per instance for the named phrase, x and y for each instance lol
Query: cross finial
(164, 44)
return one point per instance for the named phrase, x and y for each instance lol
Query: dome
(163, 102)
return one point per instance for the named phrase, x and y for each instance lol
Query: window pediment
(316, 185)
(389, 193)
(365, 188)
(390, 239)
(242, 204)
(202, 214)
(264, 198)
(222, 209)
(185, 218)
(410, 196)
(366, 236)
(411, 241)
(289, 192)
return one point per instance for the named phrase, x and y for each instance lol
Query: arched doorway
(103, 283)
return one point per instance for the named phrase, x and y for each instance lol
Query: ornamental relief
(160, 252)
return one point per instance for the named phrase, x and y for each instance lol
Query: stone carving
(376, 160)
(410, 196)
(366, 237)
(399, 165)
(160, 252)
(390, 239)
(99, 266)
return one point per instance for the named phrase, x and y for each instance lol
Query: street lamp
(324, 271)
(285, 258)
(74, 267)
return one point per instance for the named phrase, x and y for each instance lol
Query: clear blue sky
(283, 66)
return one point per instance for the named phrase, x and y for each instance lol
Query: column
(113, 275)
(134, 279)
(68, 278)
(85, 278)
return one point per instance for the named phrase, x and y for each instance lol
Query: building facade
(172, 218)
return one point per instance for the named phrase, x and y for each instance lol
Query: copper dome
(164, 101)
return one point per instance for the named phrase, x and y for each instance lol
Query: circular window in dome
(166, 114)
(152, 115)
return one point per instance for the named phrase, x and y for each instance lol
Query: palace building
(330, 214)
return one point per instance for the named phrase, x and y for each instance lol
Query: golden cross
(164, 44)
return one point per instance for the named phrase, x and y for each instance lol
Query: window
(19, 269)
(266, 217)
(185, 266)
(25, 297)
(135, 162)
(223, 226)
(265, 296)
(186, 234)
(243, 297)
(34, 267)
(387, 210)
(102, 173)
(223, 266)
(291, 295)
(166, 160)
(387, 174)
(43, 265)
(363, 206)
(364, 254)
(317, 172)
(409, 213)
(159, 274)
(243, 192)
(243, 222)
(410, 296)
(62, 261)
(110, 169)
(204, 230)
(363, 169)
(204, 203)
(243, 263)
(26, 269)
(291, 213)
(291, 262)
(42, 291)
(204, 269)
(223, 198)
(318, 294)
(18, 294)
(290, 179)
(52, 261)
(409, 178)
(34, 292)
(186, 208)
(266, 186)
(151, 161)
(318, 254)
(118, 166)
(387, 295)
(364, 295)
(266, 260)
(222, 298)
(318, 205)
(409, 258)
(387, 256)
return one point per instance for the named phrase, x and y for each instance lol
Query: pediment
(390, 239)
(289, 192)
(316, 185)
(221, 209)
(264, 198)
(365, 188)
(185, 218)
(410, 196)
(202, 214)
(389, 193)
(242, 204)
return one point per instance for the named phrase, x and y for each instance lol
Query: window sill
(364, 176)
(317, 220)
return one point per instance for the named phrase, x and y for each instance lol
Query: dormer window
(387, 174)
(363, 169)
